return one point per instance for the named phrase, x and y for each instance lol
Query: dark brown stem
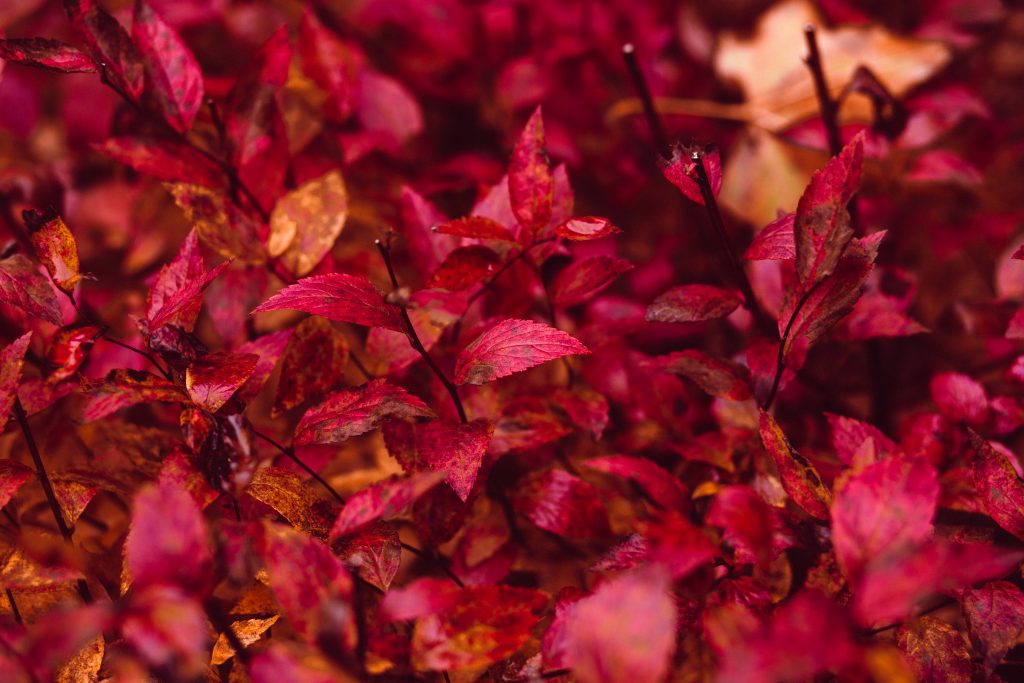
(51, 496)
(435, 559)
(14, 606)
(229, 170)
(829, 107)
(360, 366)
(414, 339)
(644, 93)
(289, 452)
(715, 216)
(780, 359)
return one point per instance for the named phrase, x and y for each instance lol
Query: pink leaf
(799, 478)
(477, 227)
(715, 376)
(582, 280)
(351, 412)
(822, 226)
(1001, 490)
(530, 182)
(960, 398)
(692, 303)
(681, 171)
(12, 359)
(177, 294)
(625, 631)
(340, 297)
(46, 54)
(995, 619)
(23, 286)
(109, 44)
(454, 448)
(382, 501)
(664, 488)
(167, 542)
(214, 378)
(558, 502)
(775, 242)
(174, 75)
(512, 346)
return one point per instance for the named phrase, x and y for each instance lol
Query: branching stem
(636, 74)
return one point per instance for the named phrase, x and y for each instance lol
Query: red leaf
(822, 226)
(943, 166)
(123, 388)
(775, 242)
(889, 504)
(465, 267)
(387, 108)
(807, 635)
(995, 619)
(530, 182)
(109, 44)
(374, 554)
(12, 359)
(937, 650)
(584, 279)
(456, 449)
(279, 663)
(268, 349)
(351, 412)
(677, 544)
(46, 54)
(586, 228)
(512, 346)
(1001, 490)
(12, 475)
(665, 489)
(314, 337)
(960, 398)
(23, 286)
(55, 247)
(167, 542)
(715, 376)
(558, 502)
(799, 478)
(681, 171)
(177, 294)
(692, 303)
(174, 76)
(485, 625)
(332, 64)
(477, 227)
(854, 439)
(383, 500)
(311, 585)
(895, 583)
(747, 523)
(212, 379)
(163, 159)
(625, 631)
(340, 297)
(418, 599)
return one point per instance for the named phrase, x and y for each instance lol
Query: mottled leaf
(175, 80)
(307, 221)
(852, 439)
(340, 297)
(822, 227)
(530, 182)
(123, 388)
(12, 475)
(383, 500)
(454, 448)
(960, 398)
(23, 286)
(212, 379)
(692, 303)
(164, 159)
(799, 478)
(584, 279)
(478, 227)
(995, 619)
(512, 346)
(300, 379)
(374, 554)
(997, 483)
(937, 651)
(775, 242)
(558, 502)
(716, 376)
(331, 63)
(176, 296)
(465, 267)
(45, 53)
(350, 412)
(109, 45)
(293, 499)
(12, 359)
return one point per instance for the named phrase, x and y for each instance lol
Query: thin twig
(51, 496)
(829, 108)
(435, 559)
(14, 606)
(289, 452)
(414, 339)
(780, 358)
(644, 92)
(715, 216)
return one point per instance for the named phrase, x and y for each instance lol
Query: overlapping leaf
(351, 412)
(340, 297)
(512, 346)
